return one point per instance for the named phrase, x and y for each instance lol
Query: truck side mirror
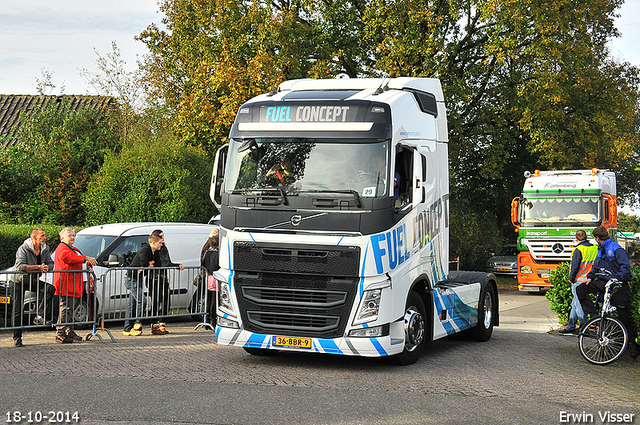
(514, 211)
(217, 178)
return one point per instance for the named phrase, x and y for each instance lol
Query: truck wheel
(414, 331)
(487, 311)
(260, 351)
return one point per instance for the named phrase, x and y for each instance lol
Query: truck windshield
(560, 210)
(309, 165)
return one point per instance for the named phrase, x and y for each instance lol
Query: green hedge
(12, 236)
(560, 295)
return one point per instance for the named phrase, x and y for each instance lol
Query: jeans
(137, 302)
(44, 293)
(576, 314)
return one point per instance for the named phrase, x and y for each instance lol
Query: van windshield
(93, 245)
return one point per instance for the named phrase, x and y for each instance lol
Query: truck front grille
(551, 250)
(293, 322)
(294, 290)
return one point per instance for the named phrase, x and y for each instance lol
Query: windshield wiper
(265, 201)
(355, 194)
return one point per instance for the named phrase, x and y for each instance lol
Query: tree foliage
(43, 178)
(628, 222)
(156, 178)
(529, 84)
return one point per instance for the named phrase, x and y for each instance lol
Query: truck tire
(487, 313)
(414, 331)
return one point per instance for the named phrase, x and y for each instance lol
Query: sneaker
(138, 326)
(132, 332)
(74, 336)
(18, 342)
(571, 332)
(63, 339)
(633, 349)
(159, 329)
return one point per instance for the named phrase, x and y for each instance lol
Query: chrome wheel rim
(413, 328)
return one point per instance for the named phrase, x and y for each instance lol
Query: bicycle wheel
(603, 340)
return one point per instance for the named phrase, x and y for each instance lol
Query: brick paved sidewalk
(41, 337)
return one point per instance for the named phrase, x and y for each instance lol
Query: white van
(115, 245)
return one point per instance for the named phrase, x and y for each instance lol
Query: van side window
(128, 248)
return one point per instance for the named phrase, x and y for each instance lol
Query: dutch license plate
(5, 300)
(503, 269)
(291, 342)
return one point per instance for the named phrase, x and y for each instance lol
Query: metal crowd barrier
(33, 294)
(163, 292)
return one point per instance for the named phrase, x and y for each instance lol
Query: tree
(43, 178)
(155, 178)
(529, 84)
(126, 86)
(628, 223)
(214, 55)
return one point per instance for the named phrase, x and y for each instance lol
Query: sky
(63, 36)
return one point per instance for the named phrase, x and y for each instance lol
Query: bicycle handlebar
(605, 274)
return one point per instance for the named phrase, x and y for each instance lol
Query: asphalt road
(524, 374)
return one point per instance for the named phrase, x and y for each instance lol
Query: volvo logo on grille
(295, 220)
(558, 248)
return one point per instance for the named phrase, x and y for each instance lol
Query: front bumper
(366, 347)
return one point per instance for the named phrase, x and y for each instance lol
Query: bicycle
(602, 340)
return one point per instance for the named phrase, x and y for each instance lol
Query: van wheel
(198, 304)
(414, 331)
(82, 313)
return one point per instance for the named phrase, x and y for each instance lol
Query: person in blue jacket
(613, 258)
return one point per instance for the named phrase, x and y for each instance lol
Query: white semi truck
(334, 235)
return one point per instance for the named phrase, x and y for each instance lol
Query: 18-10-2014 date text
(37, 416)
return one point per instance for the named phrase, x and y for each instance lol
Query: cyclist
(613, 258)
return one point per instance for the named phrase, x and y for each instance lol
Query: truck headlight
(369, 307)
(526, 270)
(225, 301)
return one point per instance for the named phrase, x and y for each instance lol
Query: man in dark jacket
(32, 258)
(613, 258)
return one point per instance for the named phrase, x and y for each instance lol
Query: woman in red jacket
(69, 286)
